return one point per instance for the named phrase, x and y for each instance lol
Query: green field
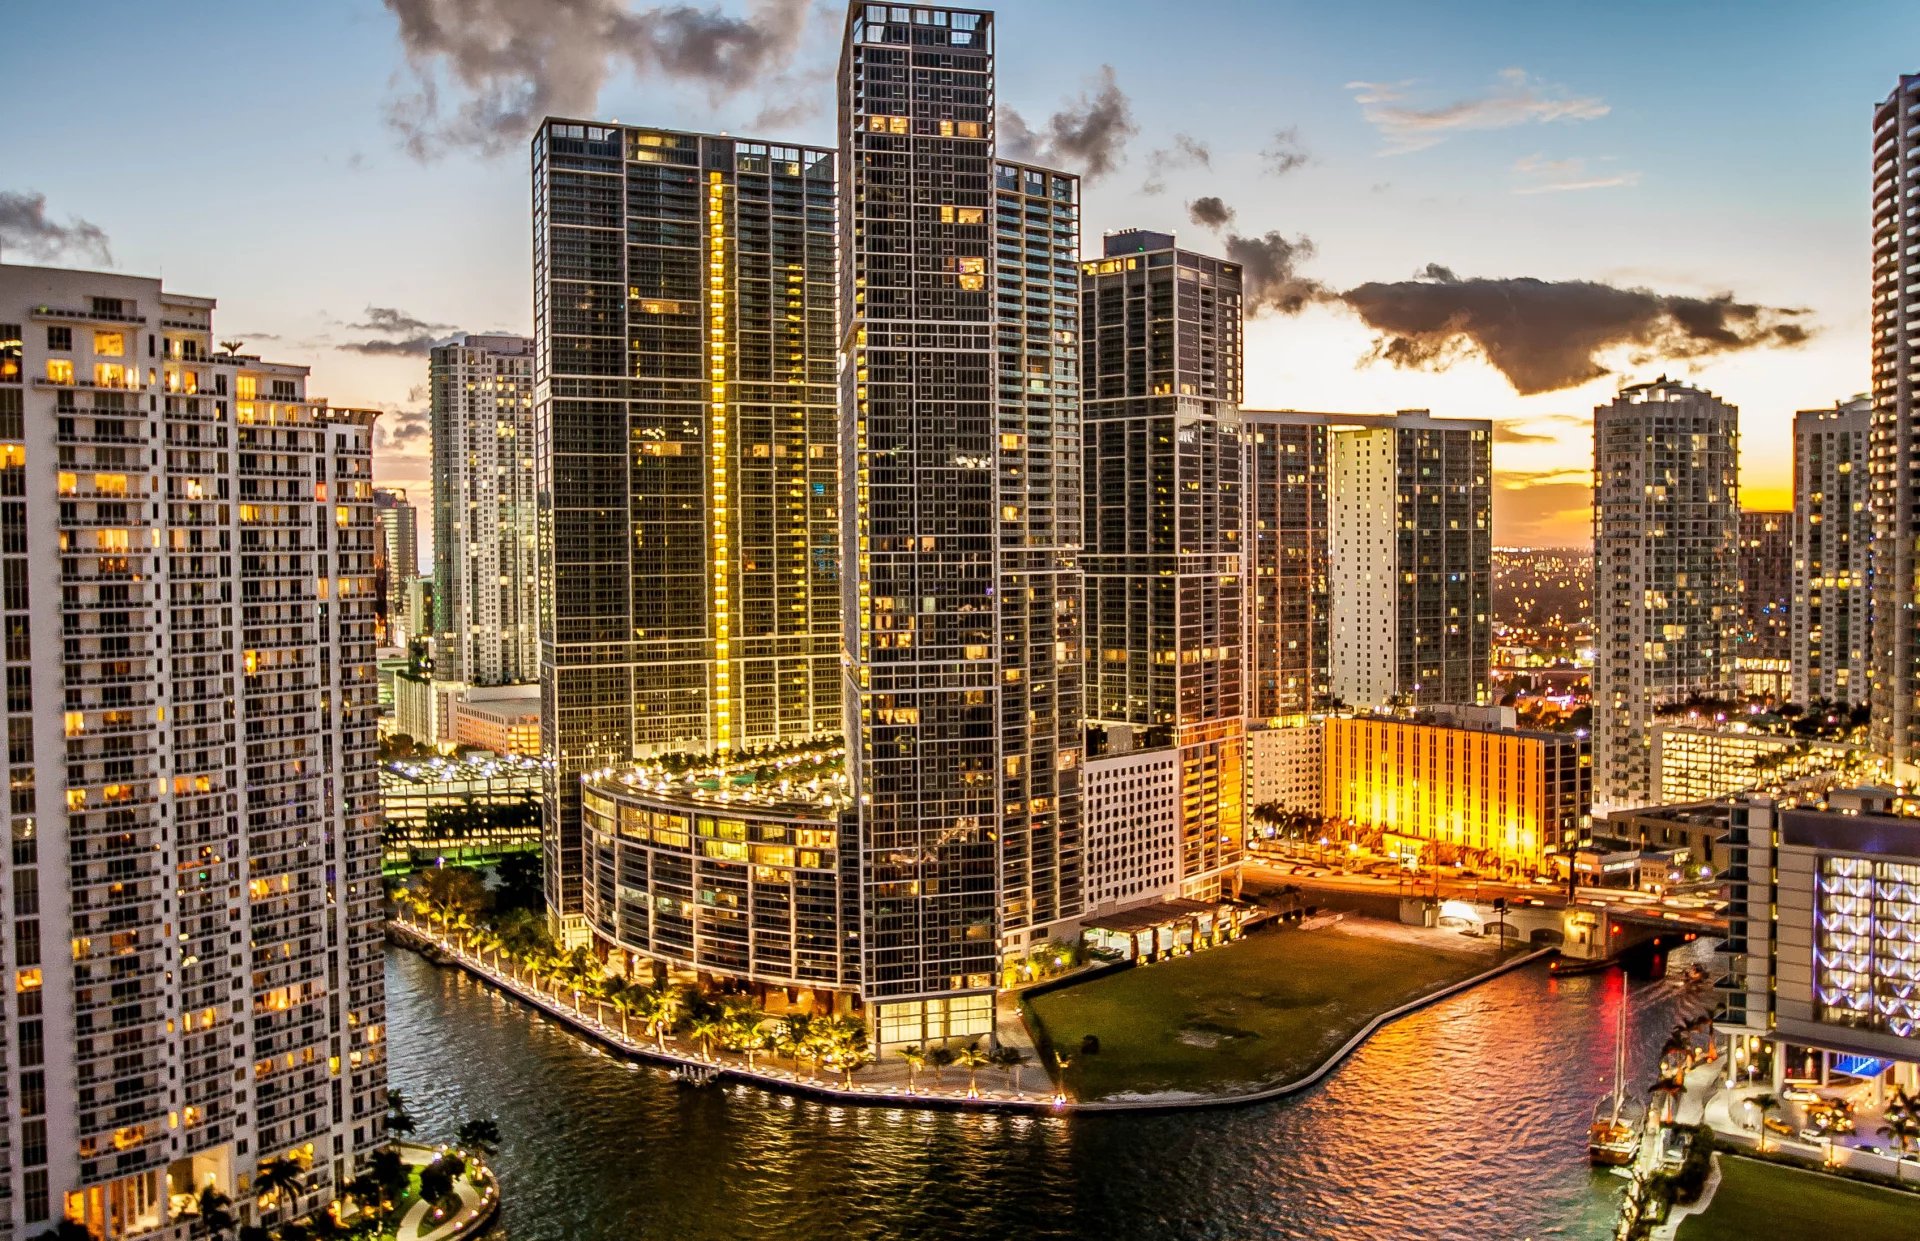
(1255, 1013)
(1757, 1200)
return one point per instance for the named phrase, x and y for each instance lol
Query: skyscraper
(1371, 556)
(484, 568)
(1762, 661)
(960, 454)
(193, 956)
(399, 555)
(1666, 568)
(685, 451)
(1832, 539)
(1894, 446)
(1161, 390)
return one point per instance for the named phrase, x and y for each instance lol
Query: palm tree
(796, 1032)
(915, 1058)
(1010, 1059)
(481, 1134)
(940, 1058)
(660, 1009)
(400, 1121)
(1671, 1090)
(216, 1212)
(704, 1029)
(971, 1058)
(282, 1180)
(1766, 1104)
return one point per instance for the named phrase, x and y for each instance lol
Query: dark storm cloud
(1284, 153)
(26, 231)
(508, 63)
(1088, 136)
(1269, 273)
(400, 334)
(1210, 212)
(1545, 335)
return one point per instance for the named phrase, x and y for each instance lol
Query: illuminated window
(110, 344)
(60, 370)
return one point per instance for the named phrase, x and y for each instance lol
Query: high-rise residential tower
(192, 881)
(399, 562)
(1832, 539)
(1666, 569)
(1161, 390)
(1762, 661)
(484, 567)
(961, 458)
(1894, 446)
(685, 452)
(1370, 545)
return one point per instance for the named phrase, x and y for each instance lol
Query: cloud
(1516, 100)
(1088, 136)
(1541, 510)
(1210, 212)
(400, 334)
(403, 432)
(1545, 335)
(1517, 480)
(506, 64)
(1555, 176)
(26, 229)
(1186, 152)
(1514, 430)
(1269, 275)
(1284, 154)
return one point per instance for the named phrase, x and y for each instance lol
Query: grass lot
(1254, 1013)
(1757, 1200)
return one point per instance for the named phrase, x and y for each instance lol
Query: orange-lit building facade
(1517, 795)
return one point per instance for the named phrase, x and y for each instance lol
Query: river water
(1465, 1120)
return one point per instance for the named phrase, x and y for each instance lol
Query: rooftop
(807, 781)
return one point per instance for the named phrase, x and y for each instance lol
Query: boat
(1613, 1139)
(1569, 967)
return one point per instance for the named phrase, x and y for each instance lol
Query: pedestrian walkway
(477, 1203)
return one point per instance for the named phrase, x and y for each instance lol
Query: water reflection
(1467, 1120)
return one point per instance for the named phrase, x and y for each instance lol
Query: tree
(66, 1230)
(704, 1029)
(940, 1058)
(481, 1134)
(1765, 1105)
(216, 1212)
(915, 1058)
(971, 1058)
(390, 1170)
(520, 882)
(447, 893)
(661, 1010)
(796, 1033)
(282, 1180)
(436, 1181)
(400, 1122)
(1010, 1059)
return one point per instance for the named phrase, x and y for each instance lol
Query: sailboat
(1614, 1136)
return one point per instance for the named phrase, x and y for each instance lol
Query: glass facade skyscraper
(1161, 359)
(960, 447)
(685, 450)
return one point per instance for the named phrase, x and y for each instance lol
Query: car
(1812, 1135)
(1781, 1127)
(1800, 1094)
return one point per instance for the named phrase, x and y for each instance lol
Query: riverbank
(893, 1093)
(1243, 1017)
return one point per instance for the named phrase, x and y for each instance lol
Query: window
(110, 344)
(60, 338)
(11, 346)
(59, 370)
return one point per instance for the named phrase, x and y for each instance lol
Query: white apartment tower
(1409, 532)
(484, 532)
(192, 884)
(1832, 539)
(1666, 570)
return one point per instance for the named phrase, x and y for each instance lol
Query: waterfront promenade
(1022, 1089)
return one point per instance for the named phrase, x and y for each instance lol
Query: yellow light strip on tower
(720, 604)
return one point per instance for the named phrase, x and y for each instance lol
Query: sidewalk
(476, 1205)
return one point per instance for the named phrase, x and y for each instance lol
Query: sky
(1485, 209)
